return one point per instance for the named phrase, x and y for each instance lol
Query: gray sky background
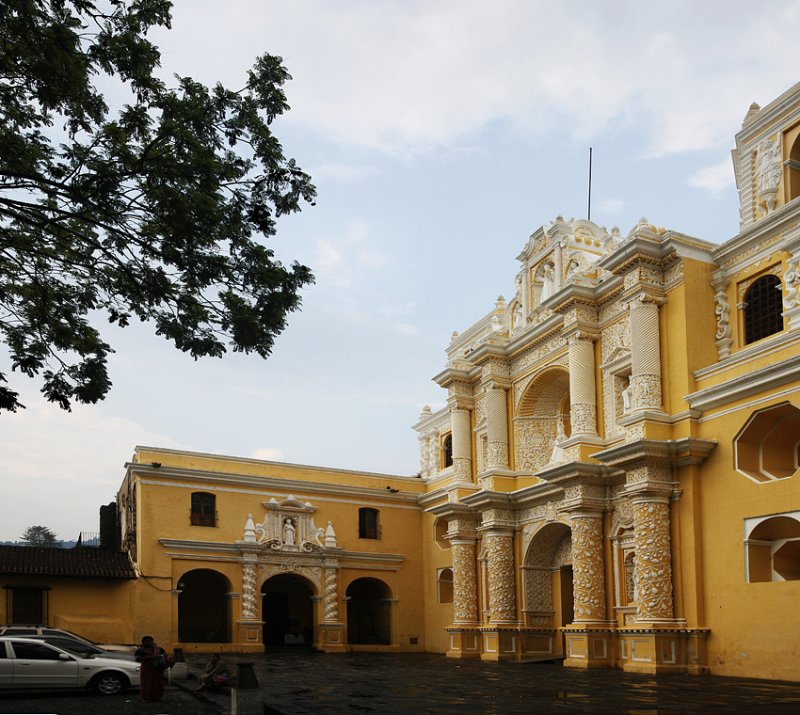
(440, 135)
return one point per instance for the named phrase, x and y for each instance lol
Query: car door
(5, 667)
(37, 664)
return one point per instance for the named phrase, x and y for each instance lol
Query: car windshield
(84, 650)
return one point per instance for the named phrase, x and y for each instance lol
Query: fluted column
(582, 392)
(465, 581)
(653, 570)
(588, 571)
(462, 444)
(499, 547)
(497, 428)
(645, 355)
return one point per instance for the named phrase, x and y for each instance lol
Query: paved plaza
(301, 683)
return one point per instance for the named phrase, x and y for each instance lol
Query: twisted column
(653, 570)
(500, 567)
(645, 355)
(331, 611)
(588, 572)
(462, 445)
(582, 392)
(465, 581)
(497, 428)
(249, 591)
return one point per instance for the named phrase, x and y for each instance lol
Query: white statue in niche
(548, 281)
(289, 533)
(558, 456)
(627, 394)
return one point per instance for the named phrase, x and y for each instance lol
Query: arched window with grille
(204, 509)
(763, 309)
(447, 451)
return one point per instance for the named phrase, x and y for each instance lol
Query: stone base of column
(464, 642)
(497, 479)
(588, 646)
(331, 638)
(499, 643)
(663, 649)
(250, 635)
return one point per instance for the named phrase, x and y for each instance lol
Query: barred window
(763, 312)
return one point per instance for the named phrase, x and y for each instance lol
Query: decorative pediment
(289, 525)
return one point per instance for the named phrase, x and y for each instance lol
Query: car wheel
(109, 683)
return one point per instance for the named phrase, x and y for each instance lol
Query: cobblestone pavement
(82, 702)
(300, 683)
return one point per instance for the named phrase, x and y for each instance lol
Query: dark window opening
(368, 523)
(203, 509)
(26, 605)
(763, 312)
(447, 451)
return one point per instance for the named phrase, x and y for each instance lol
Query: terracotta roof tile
(78, 562)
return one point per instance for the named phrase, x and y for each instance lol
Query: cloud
(714, 179)
(341, 172)
(269, 454)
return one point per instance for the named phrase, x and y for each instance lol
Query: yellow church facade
(614, 479)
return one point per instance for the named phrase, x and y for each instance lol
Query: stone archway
(288, 611)
(369, 612)
(541, 414)
(547, 572)
(203, 607)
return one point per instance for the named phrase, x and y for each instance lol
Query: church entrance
(288, 612)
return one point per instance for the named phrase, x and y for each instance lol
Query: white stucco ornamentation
(289, 526)
(653, 567)
(722, 310)
(500, 563)
(587, 568)
(465, 584)
(249, 600)
(768, 167)
(331, 614)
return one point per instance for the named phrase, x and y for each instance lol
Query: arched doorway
(288, 612)
(203, 610)
(369, 614)
(548, 578)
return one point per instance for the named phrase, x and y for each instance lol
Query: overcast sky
(440, 135)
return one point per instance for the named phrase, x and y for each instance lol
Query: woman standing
(151, 678)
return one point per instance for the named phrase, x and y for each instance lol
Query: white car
(26, 631)
(30, 663)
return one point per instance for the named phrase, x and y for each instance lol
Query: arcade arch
(369, 612)
(203, 607)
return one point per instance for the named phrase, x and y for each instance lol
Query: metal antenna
(589, 209)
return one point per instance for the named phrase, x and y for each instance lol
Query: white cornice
(769, 116)
(751, 383)
(786, 218)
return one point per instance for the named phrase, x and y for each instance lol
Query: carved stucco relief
(587, 568)
(500, 562)
(249, 598)
(653, 568)
(465, 583)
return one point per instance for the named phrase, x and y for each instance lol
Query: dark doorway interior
(369, 612)
(288, 612)
(203, 607)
